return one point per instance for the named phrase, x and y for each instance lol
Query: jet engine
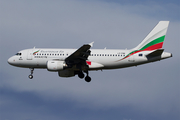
(56, 65)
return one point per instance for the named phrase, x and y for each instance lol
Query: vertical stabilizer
(155, 39)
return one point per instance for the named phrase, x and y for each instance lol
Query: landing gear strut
(31, 75)
(87, 78)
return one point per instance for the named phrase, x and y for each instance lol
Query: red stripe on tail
(154, 47)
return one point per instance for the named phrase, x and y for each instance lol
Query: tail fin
(154, 40)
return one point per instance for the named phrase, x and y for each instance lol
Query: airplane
(71, 62)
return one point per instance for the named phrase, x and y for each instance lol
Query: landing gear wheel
(30, 76)
(81, 75)
(88, 79)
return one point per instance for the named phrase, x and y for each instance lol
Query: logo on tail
(155, 38)
(153, 41)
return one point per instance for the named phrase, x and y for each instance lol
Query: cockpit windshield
(18, 54)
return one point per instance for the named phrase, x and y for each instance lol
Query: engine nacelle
(55, 65)
(66, 73)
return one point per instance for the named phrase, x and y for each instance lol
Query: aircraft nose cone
(10, 60)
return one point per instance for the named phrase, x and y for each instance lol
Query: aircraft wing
(80, 55)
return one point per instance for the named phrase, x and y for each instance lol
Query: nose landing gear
(31, 75)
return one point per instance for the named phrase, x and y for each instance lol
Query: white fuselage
(99, 58)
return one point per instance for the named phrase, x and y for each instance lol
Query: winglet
(91, 44)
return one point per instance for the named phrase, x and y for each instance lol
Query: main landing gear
(31, 75)
(81, 75)
(87, 78)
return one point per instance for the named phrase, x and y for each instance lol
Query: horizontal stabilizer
(155, 53)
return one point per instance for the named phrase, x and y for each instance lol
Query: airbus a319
(71, 62)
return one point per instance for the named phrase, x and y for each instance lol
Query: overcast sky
(146, 92)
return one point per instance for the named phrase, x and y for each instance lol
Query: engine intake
(55, 65)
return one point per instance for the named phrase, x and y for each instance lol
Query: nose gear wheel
(31, 75)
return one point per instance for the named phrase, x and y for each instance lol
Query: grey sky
(138, 93)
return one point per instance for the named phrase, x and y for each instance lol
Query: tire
(81, 75)
(30, 76)
(88, 79)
